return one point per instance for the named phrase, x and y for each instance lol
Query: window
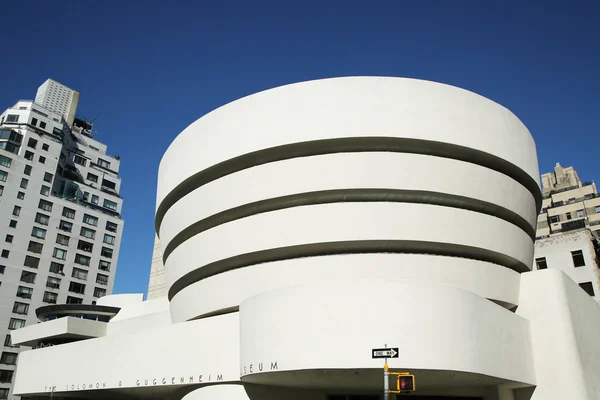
(50, 297)
(554, 219)
(31, 262)
(48, 177)
(86, 195)
(28, 277)
(35, 247)
(12, 118)
(42, 219)
(24, 292)
(29, 155)
(106, 252)
(59, 253)
(16, 323)
(109, 239)
(103, 163)
(38, 232)
(3, 175)
(85, 246)
(45, 147)
(5, 253)
(27, 170)
(2, 268)
(62, 239)
(92, 177)
(42, 124)
(5, 161)
(587, 286)
(20, 308)
(109, 184)
(580, 213)
(77, 287)
(65, 226)
(68, 213)
(99, 292)
(111, 226)
(45, 190)
(4, 393)
(1, 190)
(110, 204)
(53, 283)
(6, 376)
(8, 358)
(9, 238)
(79, 273)
(578, 260)
(74, 300)
(569, 216)
(32, 142)
(56, 267)
(79, 160)
(8, 341)
(42, 160)
(104, 265)
(24, 183)
(102, 279)
(83, 260)
(88, 233)
(90, 220)
(45, 205)
(95, 199)
(20, 195)
(16, 211)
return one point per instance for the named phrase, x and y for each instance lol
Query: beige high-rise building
(58, 98)
(157, 286)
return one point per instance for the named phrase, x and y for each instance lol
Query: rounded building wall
(347, 178)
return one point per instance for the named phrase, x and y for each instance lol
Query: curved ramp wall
(347, 178)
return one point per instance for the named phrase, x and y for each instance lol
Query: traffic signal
(406, 383)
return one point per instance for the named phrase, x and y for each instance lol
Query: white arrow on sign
(384, 353)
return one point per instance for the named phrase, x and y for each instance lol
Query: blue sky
(148, 69)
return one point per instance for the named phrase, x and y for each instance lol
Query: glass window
(598, 209)
(83, 260)
(4, 394)
(109, 239)
(74, 300)
(76, 287)
(45, 190)
(5, 161)
(45, 147)
(24, 183)
(554, 219)
(12, 223)
(12, 118)
(56, 267)
(588, 287)
(16, 211)
(111, 226)
(16, 323)
(99, 292)
(109, 184)
(103, 163)
(48, 177)
(6, 375)
(53, 282)
(29, 155)
(106, 252)
(28, 276)
(20, 308)
(9, 238)
(110, 204)
(5, 253)
(79, 273)
(578, 260)
(3, 175)
(62, 239)
(1, 190)
(31, 262)
(104, 265)
(50, 297)
(27, 170)
(24, 292)
(580, 213)
(32, 142)
(42, 124)
(102, 279)
(45, 205)
(95, 199)
(85, 246)
(42, 160)
(90, 220)
(88, 233)
(59, 253)
(68, 213)
(42, 219)
(65, 226)
(8, 358)
(20, 195)
(2, 268)
(38, 232)
(79, 160)
(92, 177)
(35, 247)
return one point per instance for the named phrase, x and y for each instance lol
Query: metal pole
(386, 380)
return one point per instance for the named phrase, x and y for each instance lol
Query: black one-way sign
(385, 353)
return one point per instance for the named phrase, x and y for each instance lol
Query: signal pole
(386, 381)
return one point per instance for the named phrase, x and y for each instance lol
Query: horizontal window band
(348, 196)
(345, 247)
(348, 145)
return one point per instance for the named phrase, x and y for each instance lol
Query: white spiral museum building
(305, 225)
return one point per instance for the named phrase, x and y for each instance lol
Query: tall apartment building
(60, 215)
(59, 99)
(157, 284)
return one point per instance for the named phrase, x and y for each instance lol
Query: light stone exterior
(157, 285)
